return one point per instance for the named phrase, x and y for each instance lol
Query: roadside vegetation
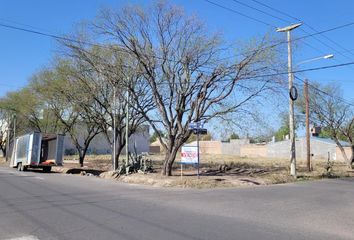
(216, 171)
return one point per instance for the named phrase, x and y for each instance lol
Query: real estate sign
(189, 154)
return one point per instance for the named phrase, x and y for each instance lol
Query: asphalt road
(54, 206)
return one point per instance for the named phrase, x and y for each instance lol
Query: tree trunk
(350, 163)
(169, 160)
(343, 152)
(116, 157)
(3, 152)
(82, 154)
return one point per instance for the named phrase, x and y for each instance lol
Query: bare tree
(184, 66)
(334, 115)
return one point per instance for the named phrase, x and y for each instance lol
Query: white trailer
(37, 150)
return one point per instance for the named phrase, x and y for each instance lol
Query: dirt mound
(109, 175)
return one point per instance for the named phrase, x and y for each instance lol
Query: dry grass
(216, 171)
(3, 162)
(220, 171)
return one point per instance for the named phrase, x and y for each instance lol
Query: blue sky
(22, 53)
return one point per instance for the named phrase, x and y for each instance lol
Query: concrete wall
(339, 155)
(208, 147)
(217, 147)
(234, 146)
(242, 147)
(253, 150)
(319, 149)
(279, 149)
(99, 145)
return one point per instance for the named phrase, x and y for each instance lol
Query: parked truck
(37, 150)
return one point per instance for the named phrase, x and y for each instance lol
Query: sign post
(198, 128)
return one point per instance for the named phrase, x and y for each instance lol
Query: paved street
(54, 206)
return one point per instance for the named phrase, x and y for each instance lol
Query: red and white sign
(189, 154)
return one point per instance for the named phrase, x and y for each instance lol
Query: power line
(44, 34)
(276, 10)
(259, 10)
(25, 25)
(329, 39)
(309, 35)
(271, 46)
(240, 13)
(326, 93)
(296, 71)
(307, 70)
(284, 20)
(271, 15)
(281, 19)
(306, 32)
(326, 112)
(55, 36)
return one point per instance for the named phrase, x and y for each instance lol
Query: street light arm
(314, 59)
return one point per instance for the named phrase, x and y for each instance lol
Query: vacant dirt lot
(215, 171)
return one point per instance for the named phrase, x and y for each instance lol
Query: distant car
(38, 150)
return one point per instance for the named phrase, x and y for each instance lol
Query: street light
(328, 56)
(288, 29)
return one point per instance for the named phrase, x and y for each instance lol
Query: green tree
(51, 85)
(282, 132)
(234, 136)
(103, 80)
(32, 113)
(284, 128)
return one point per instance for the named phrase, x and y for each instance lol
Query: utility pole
(8, 142)
(127, 130)
(14, 137)
(288, 29)
(308, 146)
(114, 129)
(14, 147)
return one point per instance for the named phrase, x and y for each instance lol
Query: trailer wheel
(47, 169)
(19, 167)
